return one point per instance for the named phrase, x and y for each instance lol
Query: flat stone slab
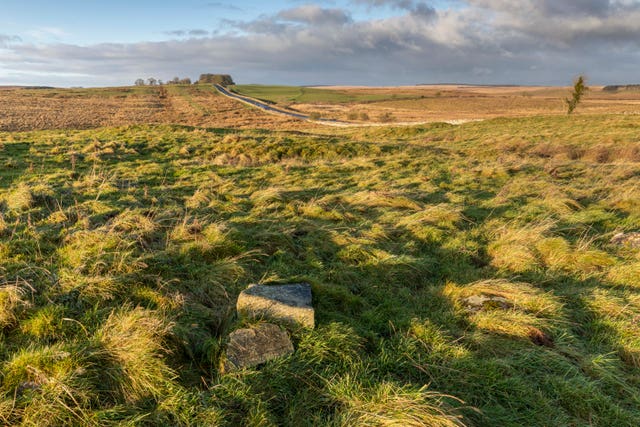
(627, 239)
(483, 302)
(254, 346)
(290, 304)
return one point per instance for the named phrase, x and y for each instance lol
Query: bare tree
(139, 82)
(152, 81)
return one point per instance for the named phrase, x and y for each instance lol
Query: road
(260, 104)
(330, 122)
(271, 109)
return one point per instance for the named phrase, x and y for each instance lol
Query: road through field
(328, 122)
(262, 105)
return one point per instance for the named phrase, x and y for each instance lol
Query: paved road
(266, 107)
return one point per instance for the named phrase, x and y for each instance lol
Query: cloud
(47, 33)
(481, 41)
(315, 15)
(6, 40)
(561, 23)
(220, 5)
(190, 33)
(419, 8)
(176, 33)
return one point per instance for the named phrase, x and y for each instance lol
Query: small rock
(486, 302)
(253, 346)
(290, 304)
(627, 239)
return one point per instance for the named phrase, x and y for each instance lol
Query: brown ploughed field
(23, 109)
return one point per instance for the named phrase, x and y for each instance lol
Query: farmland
(30, 109)
(130, 220)
(430, 103)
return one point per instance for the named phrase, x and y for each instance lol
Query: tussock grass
(98, 252)
(390, 405)
(20, 198)
(123, 251)
(382, 199)
(13, 302)
(557, 254)
(512, 245)
(627, 274)
(129, 351)
(526, 310)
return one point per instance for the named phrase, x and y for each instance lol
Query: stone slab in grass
(476, 303)
(627, 239)
(253, 346)
(290, 304)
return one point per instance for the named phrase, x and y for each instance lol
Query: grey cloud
(559, 23)
(315, 15)
(6, 40)
(220, 5)
(551, 8)
(487, 41)
(177, 33)
(416, 7)
(198, 33)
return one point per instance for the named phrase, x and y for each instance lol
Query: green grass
(122, 251)
(301, 95)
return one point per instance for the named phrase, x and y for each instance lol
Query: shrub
(579, 90)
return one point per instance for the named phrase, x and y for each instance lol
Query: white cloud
(484, 41)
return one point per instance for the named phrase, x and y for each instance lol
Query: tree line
(221, 79)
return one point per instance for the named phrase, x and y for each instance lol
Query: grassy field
(304, 95)
(432, 103)
(123, 249)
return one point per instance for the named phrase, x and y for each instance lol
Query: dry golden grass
(454, 102)
(30, 109)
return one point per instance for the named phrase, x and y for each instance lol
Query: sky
(348, 42)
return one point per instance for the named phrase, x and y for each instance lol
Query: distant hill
(26, 87)
(616, 88)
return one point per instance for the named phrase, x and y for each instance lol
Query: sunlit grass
(122, 251)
